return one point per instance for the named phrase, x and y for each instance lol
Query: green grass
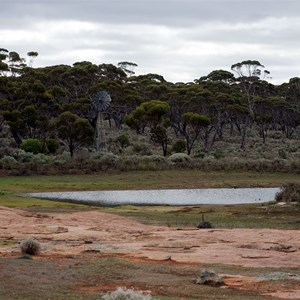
(221, 216)
(144, 180)
(7, 243)
(14, 201)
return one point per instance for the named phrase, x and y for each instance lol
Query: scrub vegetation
(225, 121)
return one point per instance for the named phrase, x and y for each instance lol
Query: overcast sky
(181, 40)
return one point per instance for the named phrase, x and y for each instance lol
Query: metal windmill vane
(100, 102)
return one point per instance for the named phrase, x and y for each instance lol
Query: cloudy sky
(181, 40)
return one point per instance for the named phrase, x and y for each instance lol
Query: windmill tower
(101, 102)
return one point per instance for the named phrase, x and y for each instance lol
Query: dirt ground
(100, 238)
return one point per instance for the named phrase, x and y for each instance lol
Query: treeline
(53, 104)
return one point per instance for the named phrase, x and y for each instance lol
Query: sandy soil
(92, 231)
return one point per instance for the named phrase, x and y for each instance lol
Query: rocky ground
(93, 234)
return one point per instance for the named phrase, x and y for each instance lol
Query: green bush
(40, 159)
(25, 157)
(142, 149)
(35, 146)
(103, 162)
(289, 193)
(32, 145)
(179, 158)
(123, 140)
(179, 146)
(30, 246)
(219, 154)
(199, 154)
(8, 163)
(155, 158)
(282, 153)
(52, 145)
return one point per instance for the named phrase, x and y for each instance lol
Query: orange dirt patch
(97, 232)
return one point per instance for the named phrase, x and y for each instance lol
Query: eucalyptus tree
(263, 115)
(222, 88)
(15, 63)
(3, 63)
(286, 117)
(127, 67)
(238, 114)
(149, 86)
(218, 76)
(193, 124)
(250, 74)
(73, 131)
(32, 55)
(11, 63)
(151, 114)
(188, 103)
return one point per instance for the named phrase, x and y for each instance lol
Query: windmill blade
(102, 100)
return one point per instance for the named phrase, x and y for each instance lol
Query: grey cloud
(179, 13)
(179, 39)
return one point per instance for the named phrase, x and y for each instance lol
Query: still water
(166, 197)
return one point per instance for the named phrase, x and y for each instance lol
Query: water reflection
(166, 197)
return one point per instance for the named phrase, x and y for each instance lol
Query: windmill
(101, 102)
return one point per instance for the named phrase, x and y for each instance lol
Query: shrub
(155, 158)
(219, 154)
(126, 294)
(128, 163)
(25, 157)
(103, 162)
(199, 154)
(8, 163)
(179, 158)
(282, 154)
(6, 151)
(179, 146)
(32, 145)
(142, 149)
(40, 159)
(52, 146)
(123, 140)
(30, 246)
(289, 193)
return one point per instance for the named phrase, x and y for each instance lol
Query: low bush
(219, 154)
(126, 294)
(179, 158)
(32, 145)
(30, 246)
(179, 146)
(8, 163)
(142, 149)
(103, 162)
(25, 157)
(123, 140)
(52, 146)
(155, 158)
(289, 193)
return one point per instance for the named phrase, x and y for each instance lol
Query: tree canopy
(42, 102)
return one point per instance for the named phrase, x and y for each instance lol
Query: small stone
(168, 257)
(210, 277)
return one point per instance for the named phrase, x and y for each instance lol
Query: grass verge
(144, 180)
